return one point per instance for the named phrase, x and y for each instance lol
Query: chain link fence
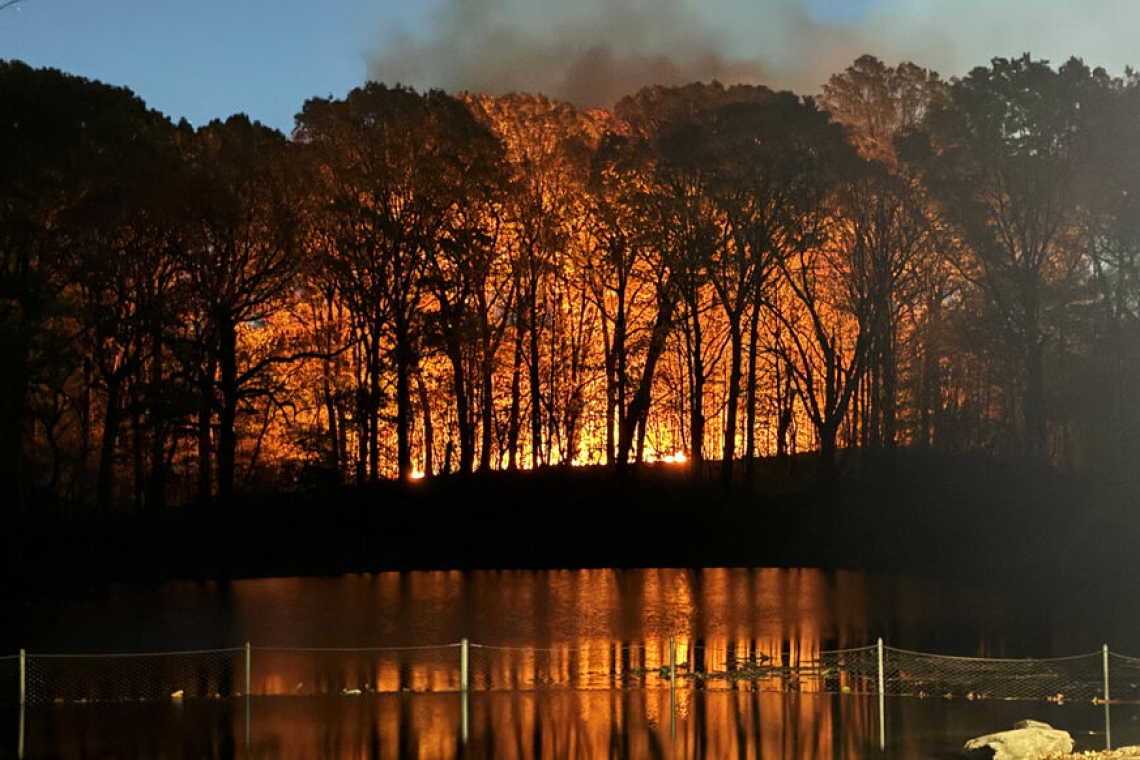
(915, 674)
(1123, 678)
(70, 678)
(683, 667)
(283, 671)
(30, 678)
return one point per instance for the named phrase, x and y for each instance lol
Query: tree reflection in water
(572, 666)
(538, 724)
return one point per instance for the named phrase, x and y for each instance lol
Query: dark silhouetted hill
(963, 517)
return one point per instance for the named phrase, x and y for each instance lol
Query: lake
(562, 664)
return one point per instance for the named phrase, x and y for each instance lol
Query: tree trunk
(697, 402)
(736, 359)
(889, 401)
(429, 428)
(487, 400)
(1034, 403)
(334, 458)
(828, 432)
(535, 379)
(464, 418)
(227, 413)
(205, 438)
(514, 424)
(751, 393)
(156, 481)
(404, 364)
(638, 409)
(112, 420)
(372, 408)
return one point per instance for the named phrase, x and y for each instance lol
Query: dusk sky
(212, 58)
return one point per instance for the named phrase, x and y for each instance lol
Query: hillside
(967, 518)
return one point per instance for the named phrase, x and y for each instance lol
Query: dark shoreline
(967, 519)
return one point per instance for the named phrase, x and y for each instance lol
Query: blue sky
(202, 59)
(212, 58)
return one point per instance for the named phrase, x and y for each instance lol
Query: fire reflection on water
(587, 629)
(563, 664)
(541, 724)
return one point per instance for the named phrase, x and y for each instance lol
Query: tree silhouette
(1004, 166)
(62, 138)
(239, 263)
(395, 166)
(891, 225)
(416, 276)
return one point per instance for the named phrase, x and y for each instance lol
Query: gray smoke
(593, 52)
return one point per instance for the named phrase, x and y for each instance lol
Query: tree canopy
(418, 283)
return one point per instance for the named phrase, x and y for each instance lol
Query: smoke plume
(593, 52)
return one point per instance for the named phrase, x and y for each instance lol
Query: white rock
(1028, 740)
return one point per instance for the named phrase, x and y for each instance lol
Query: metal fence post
(464, 683)
(23, 701)
(1107, 706)
(464, 664)
(248, 689)
(882, 701)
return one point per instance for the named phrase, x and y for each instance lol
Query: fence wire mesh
(80, 678)
(914, 674)
(602, 664)
(1124, 678)
(323, 672)
(838, 671)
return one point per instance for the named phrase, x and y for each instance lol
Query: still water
(587, 618)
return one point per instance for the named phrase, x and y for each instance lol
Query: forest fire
(419, 284)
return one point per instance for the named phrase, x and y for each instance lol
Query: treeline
(418, 283)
